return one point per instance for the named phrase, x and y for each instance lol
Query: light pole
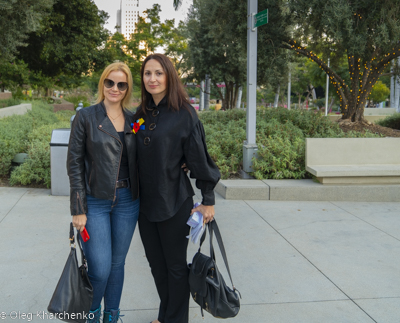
(327, 91)
(201, 103)
(250, 146)
(289, 90)
(207, 93)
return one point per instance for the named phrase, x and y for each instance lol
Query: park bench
(354, 160)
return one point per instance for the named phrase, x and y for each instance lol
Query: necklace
(113, 119)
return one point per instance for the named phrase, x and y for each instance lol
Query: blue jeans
(110, 225)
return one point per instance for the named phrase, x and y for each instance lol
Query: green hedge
(9, 102)
(30, 133)
(392, 121)
(280, 138)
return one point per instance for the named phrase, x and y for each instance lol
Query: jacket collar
(163, 103)
(104, 108)
(106, 124)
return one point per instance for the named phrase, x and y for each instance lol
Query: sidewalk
(322, 262)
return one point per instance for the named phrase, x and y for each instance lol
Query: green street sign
(261, 18)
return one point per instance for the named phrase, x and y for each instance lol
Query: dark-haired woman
(102, 169)
(172, 134)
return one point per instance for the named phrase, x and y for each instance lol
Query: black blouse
(169, 139)
(124, 164)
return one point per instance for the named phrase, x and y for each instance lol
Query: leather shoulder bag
(207, 285)
(73, 295)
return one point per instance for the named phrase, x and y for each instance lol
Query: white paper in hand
(197, 227)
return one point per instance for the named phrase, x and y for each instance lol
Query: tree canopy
(367, 32)
(18, 18)
(217, 36)
(152, 34)
(69, 42)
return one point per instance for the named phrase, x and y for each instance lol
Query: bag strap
(213, 227)
(71, 234)
(203, 237)
(72, 242)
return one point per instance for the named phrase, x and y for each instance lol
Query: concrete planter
(304, 190)
(370, 114)
(15, 109)
(379, 112)
(63, 106)
(368, 118)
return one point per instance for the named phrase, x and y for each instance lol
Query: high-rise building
(128, 16)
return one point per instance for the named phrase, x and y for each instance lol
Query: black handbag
(207, 286)
(73, 295)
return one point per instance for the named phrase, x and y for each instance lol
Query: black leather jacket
(94, 154)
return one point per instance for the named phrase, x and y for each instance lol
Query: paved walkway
(323, 262)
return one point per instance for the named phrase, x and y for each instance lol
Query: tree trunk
(277, 97)
(364, 73)
(235, 96)
(231, 91)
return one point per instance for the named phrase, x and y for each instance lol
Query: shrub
(17, 133)
(9, 102)
(50, 100)
(392, 121)
(280, 135)
(13, 131)
(36, 168)
(75, 99)
(280, 157)
(65, 115)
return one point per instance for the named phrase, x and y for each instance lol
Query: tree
(379, 93)
(148, 35)
(214, 50)
(13, 74)
(151, 34)
(218, 41)
(69, 43)
(176, 47)
(177, 4)
(18, 18)
(366, 31)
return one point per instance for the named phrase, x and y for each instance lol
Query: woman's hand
(207, 211)
(79, 221)
(184, 167)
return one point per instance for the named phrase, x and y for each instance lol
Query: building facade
(128, 16)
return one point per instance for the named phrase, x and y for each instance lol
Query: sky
(167, 10)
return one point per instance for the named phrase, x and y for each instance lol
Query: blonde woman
(102, 170)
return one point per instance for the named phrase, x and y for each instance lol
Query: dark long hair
(176, 94)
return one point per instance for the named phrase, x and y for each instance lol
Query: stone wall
(5, 95)
(63, 106)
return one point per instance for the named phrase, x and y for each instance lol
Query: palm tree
(177, 4)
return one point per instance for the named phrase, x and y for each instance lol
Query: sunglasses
(122, 86)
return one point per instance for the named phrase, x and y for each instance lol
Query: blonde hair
(117, 66)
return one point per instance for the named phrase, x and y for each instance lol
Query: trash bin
(58, 161)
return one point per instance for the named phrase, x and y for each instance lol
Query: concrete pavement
(317, 261)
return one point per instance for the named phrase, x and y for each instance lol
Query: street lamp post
(289, 89)
(327, 92)
(250, 146)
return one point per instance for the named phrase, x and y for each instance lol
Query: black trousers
(165, 245)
